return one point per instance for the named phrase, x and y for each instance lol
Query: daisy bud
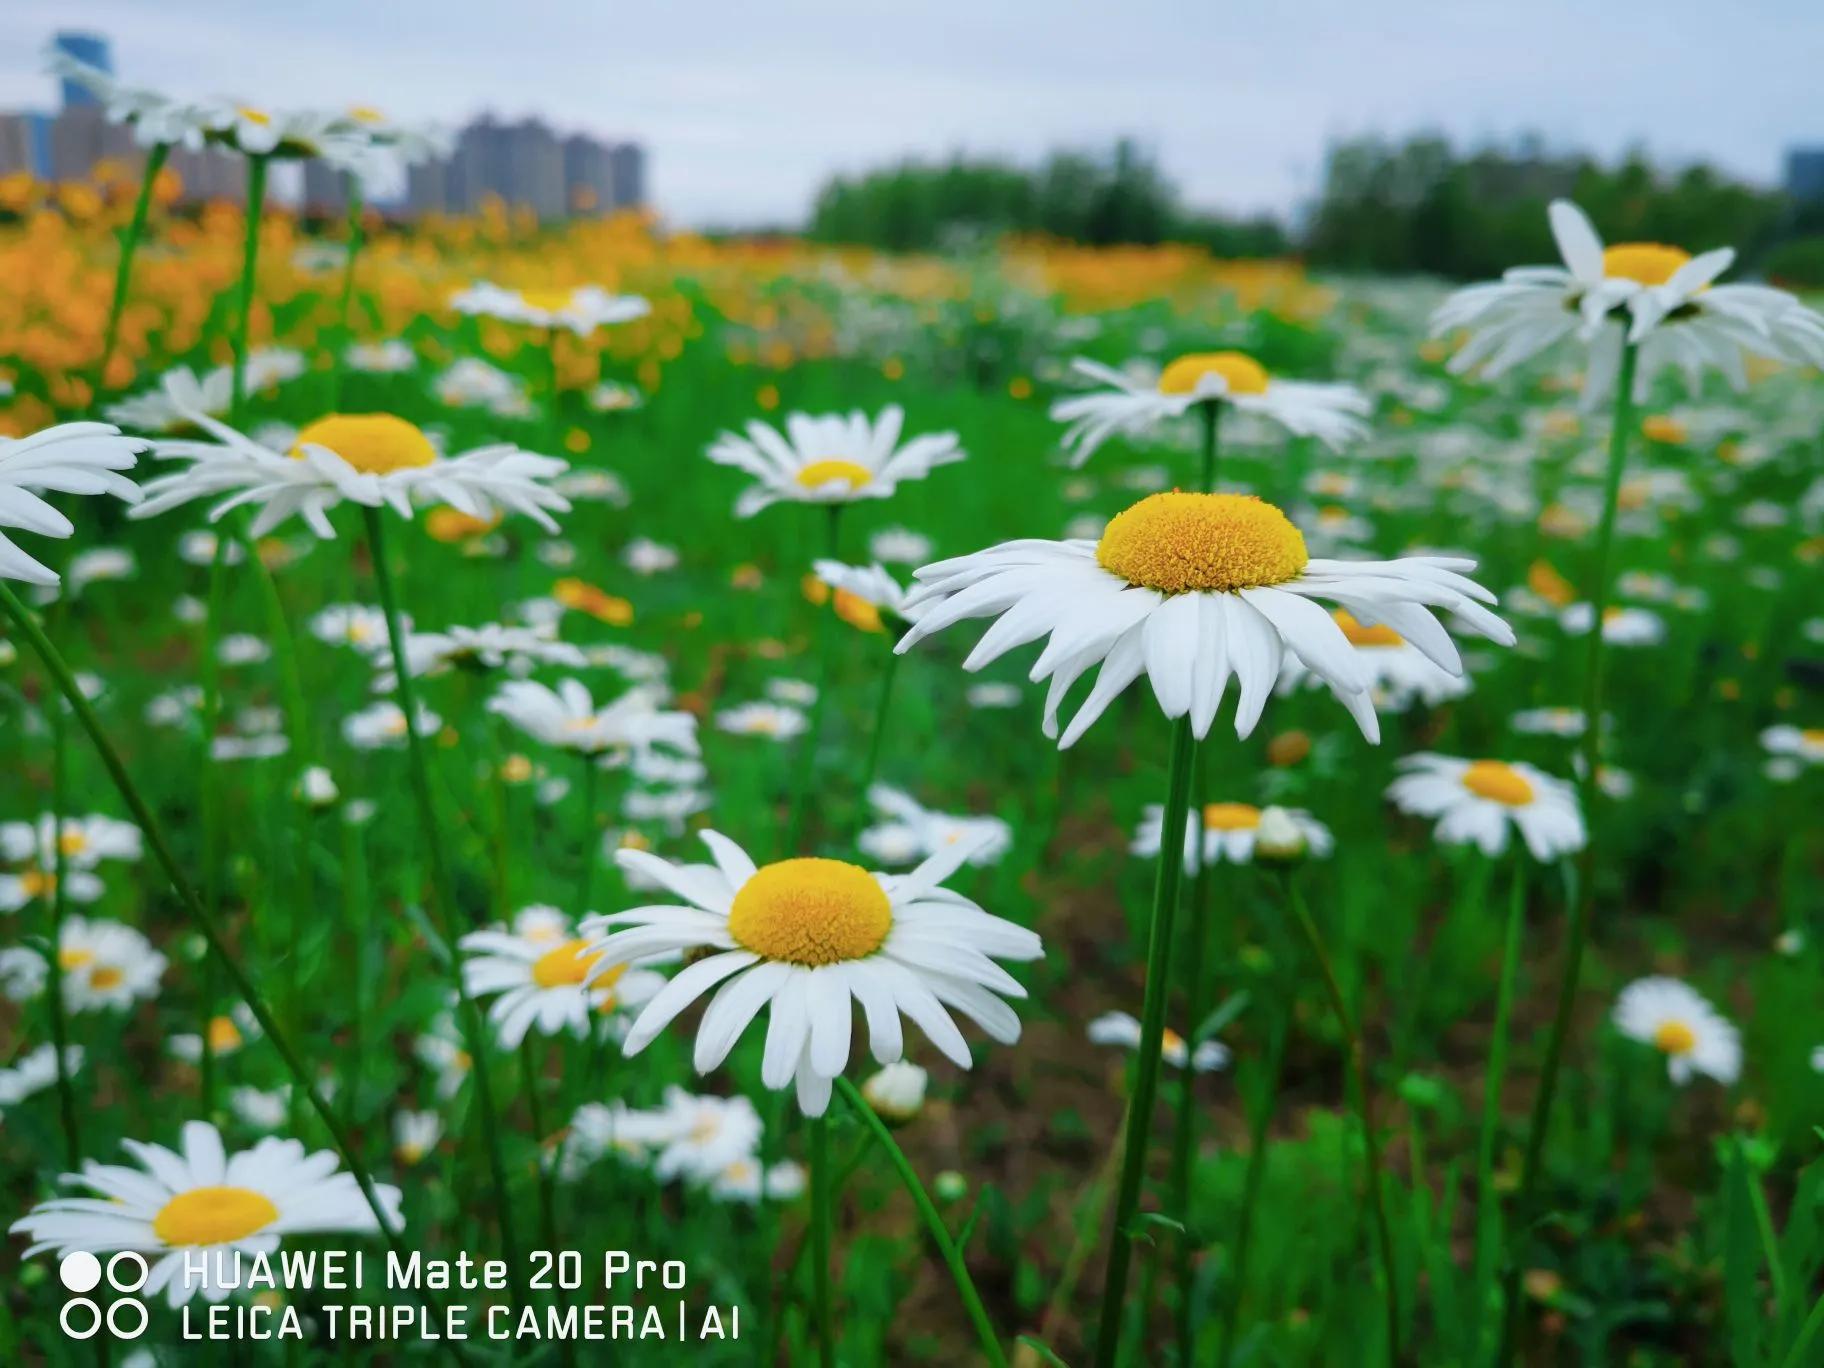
(950, 1186)
(316, 788)
(896, 1092)
(1278, 839)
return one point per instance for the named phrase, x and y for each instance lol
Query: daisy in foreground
(71, 458)
(831, 459)
(372, 459)
(201, 1198)
(1479, 801)
(1676, 1020)
(1141, 398)
(539, 970)
(1188, 589)
(1657, 296)
(808, 936)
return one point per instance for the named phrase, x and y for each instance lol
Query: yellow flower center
(1675, 1038)
(213, 1215)
(453, 525)
(1243, 373)
(1498, 782)
(72, 842)
(223, 1034)
(252, 115)
(1230, 816)
(565, 966)
(1659, 427)
(35, 883)
(1359, 635)
(851, 473)
(1182, 543)
(1646, 263)
(74, 958)
(366, 114)
(1812, 736)
(106, 976)
(811, 911)
(858, 612)
(551, 301)
(373, 443)
(1171, 1042)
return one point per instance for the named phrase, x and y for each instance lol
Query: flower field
(501, 761)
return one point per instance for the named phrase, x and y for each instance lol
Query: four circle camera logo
(82, 1317)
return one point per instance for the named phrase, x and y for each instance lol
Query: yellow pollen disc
(1230, 816)
(566, 966)
(223, 1034)
(74, 959)
(252, 115)
(1675, 1038)
(213, 1215)
(1186, 543)
(35, 883)
(858, 612)
(851, 473)
(73, 842)
(549, 300)
(1243, 373)
(1171, 1042)
(1499, 783)
(1359, 635)
(366, 114)
(373, 443)
(1812, 736)
(1646, 263)
(811, 911)
(106, 977)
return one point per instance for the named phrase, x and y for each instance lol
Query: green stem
(1588, 790)
(60, 1026)
(813, 732)
(934, 1222)
(129, 246)
(352, 191)
(1252, 1183)
(1212, 453)
(554, 422)
(442, 889)
(205, 921)
(1357, 1057)
(591, 837)
(1152, 1032)
(1795, 1356)
(250, 256)
(820, 1240)
(1184, 1129)
(1487, 1206)
(531, 1074)
(871, 766)
(211, 670)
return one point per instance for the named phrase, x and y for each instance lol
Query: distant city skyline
(746, 110)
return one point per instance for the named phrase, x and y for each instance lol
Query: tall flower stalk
(813, 732)
(250, 259)
(59, 904)
(1152, 1033)
(346, 296)
(129, 246)
(1487, 1210)
(1589, 791)
(443, 891)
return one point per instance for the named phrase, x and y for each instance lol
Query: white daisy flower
(644, 556)
(1660, 297)
(98, 565)
(1678, 1021)
(689, 1138)
(167, 408)
(353, 624)
(20, 887)
(373, 459)
(1478, 801)
(71, 458)
(774, 720)
(807, 936)
(593, 486)
(155, 117)
(1138, 400)
(1561, 722)
(441, 1050)
(899, 546)
(227, 1033)
(671, 808)
(472, 382)
(740, 1182)
(581, 309)
(262, 1109)
(568, 718)
(36, 1070)
(609, 397)
(830, 459)
(1802, 743)
(1621, 626)
(1224, 833)
(381, 726)
(992, 695)
(537, 974)
(913, 831)
(1118, 1028)
(415, 1135)
(488, 647)
(202, 1198)
(1399, 674)
(866, 587)
(316, 788)
(896, 1091)
(1188, 589)
(391, 357)
(106, 966)
(85, 841)
(795, 693)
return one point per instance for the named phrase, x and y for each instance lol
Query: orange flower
(597, 603)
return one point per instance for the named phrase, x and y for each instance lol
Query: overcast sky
(746, 107)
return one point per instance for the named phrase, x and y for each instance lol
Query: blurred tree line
(1389, 206)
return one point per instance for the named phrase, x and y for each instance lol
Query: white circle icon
(81, 1271)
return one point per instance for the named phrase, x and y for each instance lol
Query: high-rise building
(588, 175)
(325, 188)
(82, 135)
(526, 165)
(1805, 174)
(628, 161)
(16, 145)
(90, 49)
